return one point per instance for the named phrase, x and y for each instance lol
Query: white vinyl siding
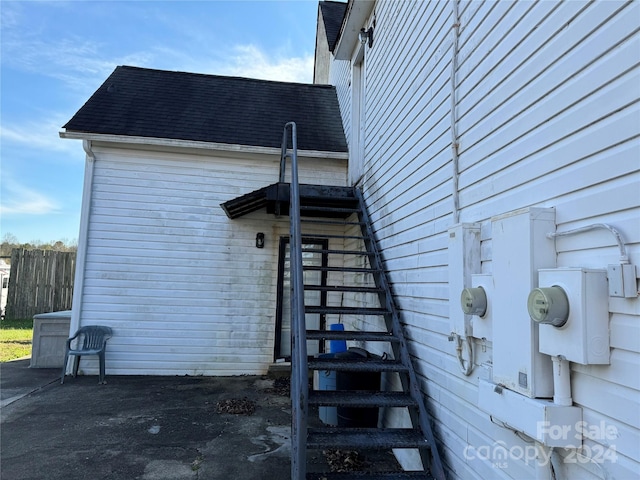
(184, 287)
(548, 115)
(340, 77)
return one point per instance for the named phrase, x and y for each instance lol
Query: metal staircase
(341, 211)
(354, 267)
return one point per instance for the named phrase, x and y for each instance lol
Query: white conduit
(466, 366)
(624, 258)
(462, 343)
(561, 381)
(454, 120)
(544, 466)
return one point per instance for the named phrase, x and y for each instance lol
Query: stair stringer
(419, 416)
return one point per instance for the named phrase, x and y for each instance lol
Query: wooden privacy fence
(41, 281)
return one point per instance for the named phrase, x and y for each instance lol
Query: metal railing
(299, 375)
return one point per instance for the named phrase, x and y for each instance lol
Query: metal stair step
(368, 475)
(345, 310)
(344, 288)
(357, 365)
(353, 398)
(336, 252)
(326, 235)
(329, 222)
(365, 438)
(340, 269)
(351, 335)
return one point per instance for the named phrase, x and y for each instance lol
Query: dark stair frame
(421, 436)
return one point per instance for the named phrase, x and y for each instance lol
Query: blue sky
(55, 54)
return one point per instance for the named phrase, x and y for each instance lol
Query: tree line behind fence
(41, 281)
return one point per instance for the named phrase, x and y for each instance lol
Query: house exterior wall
(340, 77)
(184, 287)
(322, 60)
(546, 114)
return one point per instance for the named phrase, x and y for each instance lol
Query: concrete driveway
(144, 428)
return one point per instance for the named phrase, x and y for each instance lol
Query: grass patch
(15, 338)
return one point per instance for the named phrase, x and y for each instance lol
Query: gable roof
(141, 102)
(356, 15)
(332, 16)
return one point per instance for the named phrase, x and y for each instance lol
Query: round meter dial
(474, 301)
(548, 305)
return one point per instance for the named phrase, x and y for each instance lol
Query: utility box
(520, 247)
(50, 334)
(464, 260)
(584, 337)
(622, 280)
(483, 324)
(550, 424)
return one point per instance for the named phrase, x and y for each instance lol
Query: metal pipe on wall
(454, 118)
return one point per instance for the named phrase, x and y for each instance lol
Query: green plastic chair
(89, 340)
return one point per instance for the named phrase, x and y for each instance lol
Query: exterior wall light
(260, 240)
(366, 36)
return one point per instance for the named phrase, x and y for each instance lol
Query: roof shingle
(142, 102)
(332, 16)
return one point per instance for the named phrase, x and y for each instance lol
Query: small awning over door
(275, 198)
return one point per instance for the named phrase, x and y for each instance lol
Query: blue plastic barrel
(337, 346)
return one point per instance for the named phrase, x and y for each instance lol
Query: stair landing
(275, 199)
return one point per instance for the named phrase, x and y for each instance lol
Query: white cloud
(41, 134)
(248, 61)
(82, 64)
(20, 200)
(251, 61)
(79, 64)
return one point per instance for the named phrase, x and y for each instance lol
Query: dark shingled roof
(332, 15)
(141, 102)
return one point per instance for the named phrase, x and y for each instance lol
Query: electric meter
(548, 305)
(474, 301)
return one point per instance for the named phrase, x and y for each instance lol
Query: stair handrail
(299, 375)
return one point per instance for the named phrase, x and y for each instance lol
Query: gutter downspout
(81, 256)
(454, 117)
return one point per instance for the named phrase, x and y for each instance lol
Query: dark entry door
(311, 297)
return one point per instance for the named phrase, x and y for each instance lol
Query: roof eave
(169, 142)
(358, 11)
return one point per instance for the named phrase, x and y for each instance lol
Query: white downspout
(81, 256)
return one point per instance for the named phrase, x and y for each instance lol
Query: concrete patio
(140, 427)
(148, 428)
